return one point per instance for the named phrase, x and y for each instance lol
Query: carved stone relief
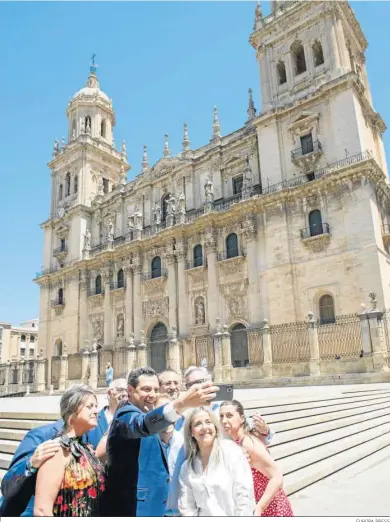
(155, 308)
(97, 323)
(236, 299)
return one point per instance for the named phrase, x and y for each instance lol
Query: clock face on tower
(61, 213)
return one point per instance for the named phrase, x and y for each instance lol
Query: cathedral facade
(285, 216)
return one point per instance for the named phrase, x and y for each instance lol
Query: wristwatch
(30, 470)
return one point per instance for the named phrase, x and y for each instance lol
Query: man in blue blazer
(18, 484)
(137, 470)
(117, 393)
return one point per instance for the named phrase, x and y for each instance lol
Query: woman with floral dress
(267, 478)
(71, 483)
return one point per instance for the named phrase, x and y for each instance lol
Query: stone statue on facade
(199, 312)
(55, 147)
(131, 340)
(120, 331)
(63, 144)
(100, 189)
(110, 233)
(171, 205)
(73, 134)
(87, 240)
(82, 126)
(157, 214)
(182, 204)
(131, 221)
(138, 220)
(88, 126)
(209, 191)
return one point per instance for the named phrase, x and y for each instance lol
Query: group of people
(152, 451)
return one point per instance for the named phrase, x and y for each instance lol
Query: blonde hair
(191, 446)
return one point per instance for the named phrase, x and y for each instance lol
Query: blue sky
(162, 63)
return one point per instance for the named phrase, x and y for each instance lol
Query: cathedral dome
(92, 89)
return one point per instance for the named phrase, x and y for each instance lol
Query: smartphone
(225, 392)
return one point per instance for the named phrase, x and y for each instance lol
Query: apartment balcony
(316, 237)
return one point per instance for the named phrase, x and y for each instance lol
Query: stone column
(314, 346)
(372, 337)
(93, 369)
(265, 80)
(212, 279)
(252, 254)
(129, 327)
(131, 354)
(334, 50)
(85, 367)
(83, 308)
(7, 372)
(217, 342)
(183, 299)
(142, 353)
(63, 370)
(107, 276)
(20, 376)
(40, 375)
(267, 350)
(137, 309)
(226, 357)
(174, 352)
(172, 291)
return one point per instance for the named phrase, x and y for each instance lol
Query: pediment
(304, 120)
(162, 168)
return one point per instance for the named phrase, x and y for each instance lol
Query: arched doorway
(239, 346)
(158, 346)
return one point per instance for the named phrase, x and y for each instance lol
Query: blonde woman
(267, 477)
(215, 479)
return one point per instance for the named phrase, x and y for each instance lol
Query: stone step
(282, 426)
(49, 417)
(304, 477)
(321, 405)
(12, 434)
(20, 424)
(317, 454)
(318, 412)
(5, 460)
(280, 450)
(8, 446)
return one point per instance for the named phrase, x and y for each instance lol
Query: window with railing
(232, 246)
(315, 223)
(326, 309)
(121, 278)
(156, 267)
(237, 184)
(198, 256)
(307, 144)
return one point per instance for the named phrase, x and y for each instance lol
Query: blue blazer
(153, 479)
(94, 436)
(17, 488)
(125, 461)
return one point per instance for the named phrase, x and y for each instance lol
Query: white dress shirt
(226, 490)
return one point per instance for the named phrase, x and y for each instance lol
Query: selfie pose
(267, 477)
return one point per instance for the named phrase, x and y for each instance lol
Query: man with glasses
(170, 383)
(117, 392)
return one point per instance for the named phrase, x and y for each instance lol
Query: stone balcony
(316, 237)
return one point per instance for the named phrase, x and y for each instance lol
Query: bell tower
(316, 100)
(84, 168)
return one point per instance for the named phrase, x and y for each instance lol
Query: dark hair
(134, 375)
(239, 409)
(73, 399)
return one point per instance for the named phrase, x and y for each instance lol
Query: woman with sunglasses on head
(215, 479)
(71, 483)
(267, 477)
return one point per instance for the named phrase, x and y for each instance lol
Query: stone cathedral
(287, 215)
